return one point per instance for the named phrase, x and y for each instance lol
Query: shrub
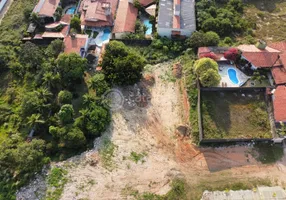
(64, 97)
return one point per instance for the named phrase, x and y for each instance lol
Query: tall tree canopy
(206, 70)
(121, 65)
(71, 67)
(55, 48)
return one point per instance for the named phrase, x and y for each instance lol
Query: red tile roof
(125, 18)
(217, 51)
(46, 7)
(279, 73)
(260, 58)
(279, 103)
(75, 44)
(94, 12)
(146, 2)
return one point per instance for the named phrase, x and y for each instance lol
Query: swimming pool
(106, 35)
(103, 37)
(233, 76)
(71, 10)
(149, 25)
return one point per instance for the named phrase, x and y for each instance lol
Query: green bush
(65, 97)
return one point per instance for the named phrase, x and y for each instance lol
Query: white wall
(168, 32)
(2, 4)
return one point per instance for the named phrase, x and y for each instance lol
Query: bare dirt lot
(142, 152)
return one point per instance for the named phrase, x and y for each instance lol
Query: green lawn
(229, 115)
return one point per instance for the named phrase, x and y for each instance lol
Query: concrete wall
(164, 32)
(120, 35)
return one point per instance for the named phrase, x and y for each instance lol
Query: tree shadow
(242, 154)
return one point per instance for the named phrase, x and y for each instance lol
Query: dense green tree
(206, 70)
(237, 5)
(19, 161)
(51, 79)
(212, 38)
(71, 136)
(35, 120)
(66, 113)
(204, 64)
(64, 97)
(5, 57)
(31, 56)
(93, 119)
(201, 39)
(17, 69)
(71, 67)
(75, 24)
(98, 83)
(121, 65)
(55, 48)
(34, 18)
(88, 99)
(32, 103)
(210, 78)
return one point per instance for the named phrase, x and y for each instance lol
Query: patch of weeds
(136, 157)
(91, 182)
(56, 180)
(148, 68)
(128, 166)
(267, 153)
(129, 191)
(196, 191)
(177, 192)
(168, 76)
(107, 153)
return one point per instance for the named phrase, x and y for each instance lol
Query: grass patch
(56, 181)
(178, 192)
(136, 157)
(231, 115)
(196, 191)
(269, 17)
(107, 153)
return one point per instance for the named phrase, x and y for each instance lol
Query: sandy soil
(152, 130)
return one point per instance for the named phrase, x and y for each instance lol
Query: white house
(176, 18)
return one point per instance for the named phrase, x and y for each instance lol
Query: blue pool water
(71, 10)
(103, 37)
(149, 25)
(106, 35)
(232, 76)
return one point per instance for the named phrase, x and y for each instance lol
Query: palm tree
(50, 79)
(34, 120)
(95, 80)
(88, 99)
(44, 94)
(145, 28)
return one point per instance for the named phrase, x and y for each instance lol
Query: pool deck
(225, 80)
